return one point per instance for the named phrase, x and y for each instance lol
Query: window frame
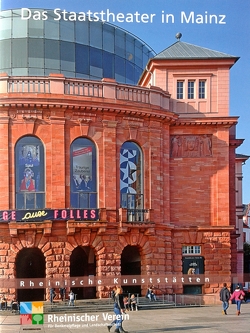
(202, 89)
(193, 93)
(191, 89)
(180, 89)
(191, 249)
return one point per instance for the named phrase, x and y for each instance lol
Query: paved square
(175, 320)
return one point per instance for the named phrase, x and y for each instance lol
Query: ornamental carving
(191, 146)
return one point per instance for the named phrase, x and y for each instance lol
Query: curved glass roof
(34, 46)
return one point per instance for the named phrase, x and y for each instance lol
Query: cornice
(207, 121)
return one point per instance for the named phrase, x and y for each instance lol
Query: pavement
(174, 320)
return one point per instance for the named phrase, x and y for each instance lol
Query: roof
(241, 156)
(182, 50)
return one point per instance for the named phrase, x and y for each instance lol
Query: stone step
(101, 305)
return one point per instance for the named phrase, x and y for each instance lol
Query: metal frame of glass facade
(77, 49)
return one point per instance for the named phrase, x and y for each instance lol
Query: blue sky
(231, 37)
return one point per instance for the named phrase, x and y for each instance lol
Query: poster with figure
(29, 167)
(193, 265)
(82, 168)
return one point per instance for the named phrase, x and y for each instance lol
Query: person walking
(62, 291)
(238, 296)
(52, 295)
(224, 297)
(71, 298)
(119, 310)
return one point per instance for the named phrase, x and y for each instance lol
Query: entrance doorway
(131, 265)
(83, 263)
(30, 264)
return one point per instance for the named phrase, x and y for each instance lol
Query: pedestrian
(119, 310)
(52, 295)
(71, 298)
(62, 291)
(238, 296)
(133, 303)
(224, 297)
(150, 294)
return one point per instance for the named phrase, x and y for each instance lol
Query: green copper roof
(181, 50)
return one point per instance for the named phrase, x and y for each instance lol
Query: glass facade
(78, 49)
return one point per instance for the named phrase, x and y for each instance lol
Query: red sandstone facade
(188, 172)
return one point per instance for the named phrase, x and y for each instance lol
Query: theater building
(116, 161)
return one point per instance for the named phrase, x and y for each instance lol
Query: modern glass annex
(34, 46)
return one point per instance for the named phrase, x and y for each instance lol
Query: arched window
(30, 189)
(131, 187)
(83, 185)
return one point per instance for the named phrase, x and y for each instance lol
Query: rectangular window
(180, 86)
(190, 89)
(202, 89)
(191, 249)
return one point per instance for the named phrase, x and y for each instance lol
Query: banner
(49, 214)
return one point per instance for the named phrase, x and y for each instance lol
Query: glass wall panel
(138, 53)
(67, 55)
(20, 52)
(51, 29)
(19, 71)
(36, 53)
(119, 69)
(129, 73)
(38, 71)
(138, 72)
(109, 67)
(82, 32)
(36, 28)
(5, 24)
(52, 54)
(120, 43)
(82, 59)
(95, 57)
(29, 165)
(20, 27)
(68, 73)
(48, 71)
(5, 49)
(96, 35)
(108, 38)
(130, 48)
(82, 76)
(67, 31)
(95, 73)
(96, 69)
(83, 177)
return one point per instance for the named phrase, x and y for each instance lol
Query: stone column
(4, 165)
(57, 162)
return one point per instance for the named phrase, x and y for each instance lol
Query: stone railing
(134, 94)
(57, 84)
(28, 85)
(83, 88)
